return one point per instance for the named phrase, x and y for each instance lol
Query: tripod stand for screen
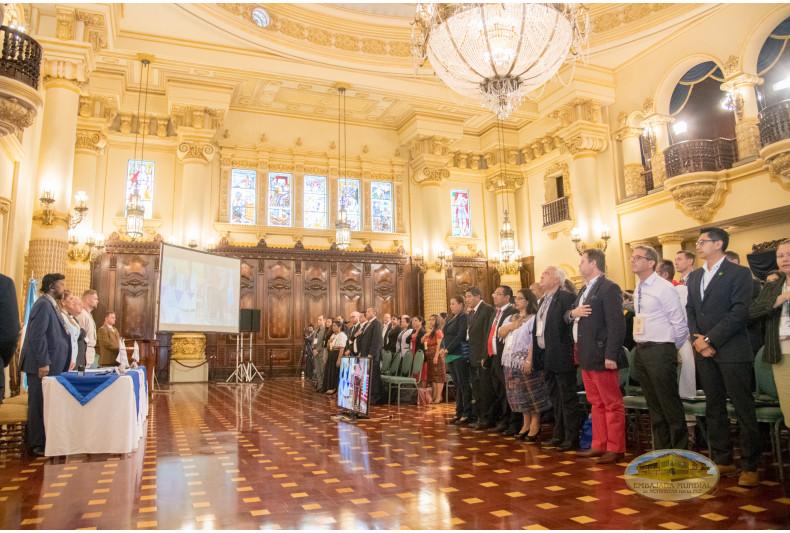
(246, 371)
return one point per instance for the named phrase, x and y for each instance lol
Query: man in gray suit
(318, 352)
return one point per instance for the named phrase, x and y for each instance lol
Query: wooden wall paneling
(384, 280)
(137, 288)
(315, 287)
(527, 270)
(350, 288)
(468, 272)
(278, 332)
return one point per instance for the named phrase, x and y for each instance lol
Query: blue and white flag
(32, 296)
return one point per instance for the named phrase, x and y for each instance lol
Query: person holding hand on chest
(660, 330)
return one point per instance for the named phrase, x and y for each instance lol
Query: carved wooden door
(276, 347)
(350, 288)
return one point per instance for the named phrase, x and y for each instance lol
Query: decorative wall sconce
(508, 265)
(48, 215)
(84, 253)
(211, 245)
(193, 243)
(443, 260)
(576, 238)
(733, 101)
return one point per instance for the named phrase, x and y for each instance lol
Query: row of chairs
(765, 395)
(13, 421)
(399, 370)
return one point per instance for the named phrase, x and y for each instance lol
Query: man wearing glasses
(659, 331)
(718, 307)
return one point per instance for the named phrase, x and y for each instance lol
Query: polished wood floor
(269, 456)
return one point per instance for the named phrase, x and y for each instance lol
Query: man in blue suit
(46, 351)
(719, 294)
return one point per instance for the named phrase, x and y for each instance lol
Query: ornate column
(671, 244)
(195, 152)
(632, 161)
(659, 124)
(747, 131)
(504, 187)
(65, 69)
(429, 170)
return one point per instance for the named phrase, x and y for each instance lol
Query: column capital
(501, 182)
(195, 146)
(628, 132)
(89, 141)
(66, 62)
(741, 80)
(584, 137)
(656, 119)
(670, 238)
(645, 242)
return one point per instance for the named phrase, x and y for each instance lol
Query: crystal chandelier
(342, 226)
(498, 52)
(135, 210)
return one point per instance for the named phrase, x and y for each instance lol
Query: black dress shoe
(509, 432)
(464, 421)
(568, 446)
(482, 424)
(38, 451)
(502, 426)
(555, 443)
(454, 420)
(532, 439)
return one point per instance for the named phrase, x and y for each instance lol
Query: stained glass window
(315, 202)
(140, 174)
(349, 198)
(381, 206)
(279, 199)
(242, 196)
(459, 205)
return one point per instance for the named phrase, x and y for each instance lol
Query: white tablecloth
(109, 423)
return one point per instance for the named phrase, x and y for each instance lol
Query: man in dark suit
(499, 410)
(370, 347)
(391, 339)
(353, 339)
(599, 331)
(755, 325)
(9, 326)
(552, 341)
(480, 316)
(719, 294)
(46, 351)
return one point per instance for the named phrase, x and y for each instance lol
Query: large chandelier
(498, 52)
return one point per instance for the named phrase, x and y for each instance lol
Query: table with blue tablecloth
(99, 412)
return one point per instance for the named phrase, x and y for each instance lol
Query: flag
(135, 355)
(122, 358)
(32, 296)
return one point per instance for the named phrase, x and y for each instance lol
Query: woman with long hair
(337, 342)
(526, 390)
(455, 350)
(436, 370)
(70, 307)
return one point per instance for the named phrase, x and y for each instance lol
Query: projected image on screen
(352, 392)
(199, 292)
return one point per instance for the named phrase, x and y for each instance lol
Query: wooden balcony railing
(775, 123)
(20, 57)
(700, 156)
(556, 211)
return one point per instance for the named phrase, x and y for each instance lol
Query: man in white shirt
(90, 299)
(660, 329)
(387, 323)
(353, 323)
(687, 384)
(684, 264)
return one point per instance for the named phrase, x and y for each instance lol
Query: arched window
(279, 204)
(381, 206)
(242, 196)
(349, 198)
(696, 106)
(459, 209)
(315, 202)
(773, 65)
(140, 175)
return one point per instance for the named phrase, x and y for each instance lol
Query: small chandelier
(342, 230)
(507, 241)
(342, 226)
(135, 210)
(498, 52)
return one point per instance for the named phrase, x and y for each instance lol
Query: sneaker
(748, 479)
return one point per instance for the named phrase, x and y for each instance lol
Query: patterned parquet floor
(269, 456)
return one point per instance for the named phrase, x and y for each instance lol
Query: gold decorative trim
(698, 195)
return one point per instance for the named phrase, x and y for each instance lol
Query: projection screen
(198, 291)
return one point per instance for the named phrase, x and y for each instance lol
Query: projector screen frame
(159, 290)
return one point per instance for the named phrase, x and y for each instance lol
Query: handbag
(424, 396)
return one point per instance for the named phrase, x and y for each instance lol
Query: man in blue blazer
(599, 331)
(46, 351)
(719, 294)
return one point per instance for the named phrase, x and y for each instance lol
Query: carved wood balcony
(556, 211)
(775, 123)
(700, 156)
(20, 68)
(20, 57)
